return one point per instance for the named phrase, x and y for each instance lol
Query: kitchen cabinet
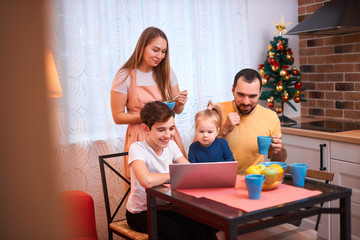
(341, 158)
(307, 150)
(345, 163)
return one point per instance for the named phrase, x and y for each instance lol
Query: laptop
(203, 175)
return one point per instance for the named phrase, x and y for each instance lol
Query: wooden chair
(119, 227)
(317, 175)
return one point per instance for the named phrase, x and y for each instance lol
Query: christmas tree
(281, 82)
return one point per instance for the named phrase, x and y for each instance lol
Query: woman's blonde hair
(161, 72)
(212, 112)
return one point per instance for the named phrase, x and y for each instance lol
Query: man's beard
(247, 112)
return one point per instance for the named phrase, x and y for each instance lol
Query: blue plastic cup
(298, 173)
(264, 144)
(254, 184)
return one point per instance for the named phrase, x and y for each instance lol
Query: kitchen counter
(339, 152)
(346, 136)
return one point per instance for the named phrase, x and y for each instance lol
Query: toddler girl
(209, 148)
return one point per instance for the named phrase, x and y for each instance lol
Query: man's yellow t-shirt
(243, 139)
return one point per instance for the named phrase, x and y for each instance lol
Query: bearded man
(244, 119)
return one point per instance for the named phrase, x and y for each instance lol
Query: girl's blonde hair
(212, 112)
(161, 73)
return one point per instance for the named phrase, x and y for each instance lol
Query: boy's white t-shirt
(155, 164)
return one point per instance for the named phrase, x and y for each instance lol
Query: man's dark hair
(249, 75)
(154, 112)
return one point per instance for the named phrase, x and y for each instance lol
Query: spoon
(173, 99)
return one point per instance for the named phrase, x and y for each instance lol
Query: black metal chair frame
(318, 175)
(110, 217)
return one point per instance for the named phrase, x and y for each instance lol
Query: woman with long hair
(145, 77)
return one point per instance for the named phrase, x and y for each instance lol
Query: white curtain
(91, 39)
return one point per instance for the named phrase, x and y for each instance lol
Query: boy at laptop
(149, 166)
(209, 148)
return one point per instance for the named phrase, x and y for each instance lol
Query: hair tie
(209, 105)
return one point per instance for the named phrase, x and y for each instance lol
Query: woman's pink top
(138, 96)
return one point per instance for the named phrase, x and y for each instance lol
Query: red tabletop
(238, 196)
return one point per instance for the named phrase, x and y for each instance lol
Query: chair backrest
(317, 174)
(118, 226)
(103, 162)
(320, 175)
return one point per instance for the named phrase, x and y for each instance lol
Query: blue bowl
(170, 104)
(283, 164)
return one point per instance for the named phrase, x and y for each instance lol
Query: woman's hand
(182, 98)
(180, 101)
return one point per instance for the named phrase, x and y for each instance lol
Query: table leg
(152, 216)
(345, 218)
(231, 234)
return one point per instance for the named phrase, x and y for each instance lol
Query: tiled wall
(330, 67)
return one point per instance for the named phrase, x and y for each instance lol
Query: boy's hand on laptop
(181, 159)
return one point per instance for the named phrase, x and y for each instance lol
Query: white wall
(261, 15)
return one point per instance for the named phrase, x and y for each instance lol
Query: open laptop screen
(203, 175)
